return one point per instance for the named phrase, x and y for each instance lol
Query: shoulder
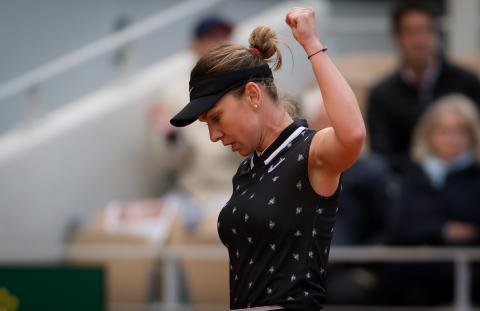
(381, 93)
(387, 83)
(456, 71)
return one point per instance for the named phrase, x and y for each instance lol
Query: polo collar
(281, 142)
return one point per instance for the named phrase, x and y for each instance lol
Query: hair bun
(265, 40)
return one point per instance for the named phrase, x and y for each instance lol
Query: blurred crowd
(417, 183)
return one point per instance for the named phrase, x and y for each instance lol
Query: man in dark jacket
(396, 103)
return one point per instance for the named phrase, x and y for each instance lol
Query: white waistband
(265, 308)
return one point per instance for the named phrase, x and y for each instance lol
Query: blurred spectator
(438, 204)
(396, 103)
(200, 171)
(440, 195)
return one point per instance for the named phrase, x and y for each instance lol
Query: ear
(253, 94)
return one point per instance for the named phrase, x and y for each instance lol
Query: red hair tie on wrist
(255, 51)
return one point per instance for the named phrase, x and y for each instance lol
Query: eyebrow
(208, 115)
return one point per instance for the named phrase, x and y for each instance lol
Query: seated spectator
(396, 103)
(199, 171)
(438, 204)
(440, 195)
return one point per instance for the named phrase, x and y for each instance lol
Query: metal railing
(103, 46)
(461, 258)
(30, 85)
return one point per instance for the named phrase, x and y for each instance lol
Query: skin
(450, 137)
(418, 41)
(332, 150)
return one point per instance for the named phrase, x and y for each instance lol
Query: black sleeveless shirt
(277, 228)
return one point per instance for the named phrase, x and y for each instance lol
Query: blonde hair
(457, 104)
(263, 48)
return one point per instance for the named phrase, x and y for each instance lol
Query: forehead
(415, 17)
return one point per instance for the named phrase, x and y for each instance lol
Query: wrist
(312, 46)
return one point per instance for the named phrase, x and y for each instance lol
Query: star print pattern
(276, 225)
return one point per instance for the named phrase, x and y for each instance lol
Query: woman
(438, 204)
(278, 223)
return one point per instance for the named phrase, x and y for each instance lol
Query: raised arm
(335, 148)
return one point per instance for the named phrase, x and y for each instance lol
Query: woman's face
(450, 136)
(235, 123)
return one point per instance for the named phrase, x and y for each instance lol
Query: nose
(215, 133)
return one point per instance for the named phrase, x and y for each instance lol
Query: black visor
(206, 91)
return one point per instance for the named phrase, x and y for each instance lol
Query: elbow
(357, 137)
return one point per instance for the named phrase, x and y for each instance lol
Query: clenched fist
(303, 25)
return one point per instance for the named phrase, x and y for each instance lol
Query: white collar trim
(289, 139)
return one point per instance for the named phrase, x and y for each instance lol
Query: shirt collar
(282, 141)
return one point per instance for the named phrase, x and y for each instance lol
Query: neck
(419, 69)
(276, 123)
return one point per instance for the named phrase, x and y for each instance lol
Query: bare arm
(335, 148)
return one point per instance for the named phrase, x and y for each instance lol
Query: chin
(243, 153)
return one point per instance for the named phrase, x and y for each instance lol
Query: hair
(230, 57)
(457, 104)
(405, 7)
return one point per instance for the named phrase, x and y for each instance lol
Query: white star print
(234, 210)
(269, 290)
(251, 197)
(249, 239)
(261, 177)
(314, 232)
(326, 250)
(253, 175)
(300, 157)
(271, 269)
(272, 246)
(290, 298)
(250, 284)
(236, 277)
(308, 275)
(322, 271)
(238, 253)
(234, 231)
(275, 178)
(293, 278)
(271, 224)
(306, 293)
(244, 191)
(296, 256)
(331, 230)
(320, 210)
(246, 217)
(250, 262)
(298, 210)
(272, 201)
(289, 145)
(238, 187)
(310, 254)
(299, 185)
(297, 233)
